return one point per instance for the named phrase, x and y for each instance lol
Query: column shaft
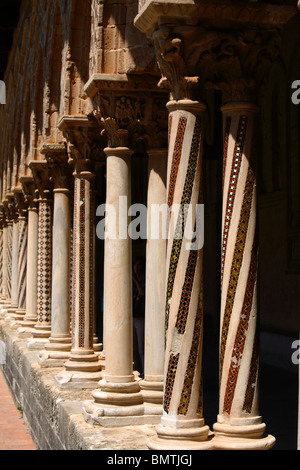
(152, 385)
(57, 351)
(83, 367)
(32, 268)
(182, 424)
(239, 423)
(119, 388)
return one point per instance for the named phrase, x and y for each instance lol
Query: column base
(67, 380)
(245, 437)
(182, 438)
(83, 371)
(118, 404)
(152, 393)
(49, 359)
(37, 344)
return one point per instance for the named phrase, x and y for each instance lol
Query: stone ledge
(54, 416)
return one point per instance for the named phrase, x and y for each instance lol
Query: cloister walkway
(13, 432)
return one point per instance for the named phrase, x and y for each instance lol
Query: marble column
(42, 329)
(239, 424)
(152, 385)
(14, 268)
(7, 259)
(4, 262)
(57, 351)
(30, 287)
(119, 400)
(83, 369)
(17, 310)
(182, 424)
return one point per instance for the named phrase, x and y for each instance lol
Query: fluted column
(57, 351)
(152, 385)
(239, 425)
(83, 369)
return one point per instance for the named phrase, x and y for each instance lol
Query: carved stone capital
(20, 202)
(29, 190)
(56, 156)
(41, 174)
(203, 44)
(84, 142)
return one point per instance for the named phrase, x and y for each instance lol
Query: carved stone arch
(77, 64)
(54, 75)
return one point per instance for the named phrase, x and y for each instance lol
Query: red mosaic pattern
(22, 263)
(240, 340)
(82, 273)
(176, 159)
(234, 176)
(172, 368)
(237, 260)
(191, 366)
(186, 292)
(185, 200)
(91, 264)
(44, 262)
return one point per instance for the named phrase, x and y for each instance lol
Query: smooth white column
(152, 385)
(119, 399)
(58, 350)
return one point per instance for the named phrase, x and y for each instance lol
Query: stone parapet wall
(54, 417)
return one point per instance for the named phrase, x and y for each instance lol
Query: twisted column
(182, 425)
(239, 423)
(30, 283)
(17, 310)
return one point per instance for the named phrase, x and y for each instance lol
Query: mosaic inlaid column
(14, 268)
(83, 369)
(58, 350)
(42, 329)
(30, 286)
(182, 425)
(20, 263)
(119, 400)
(239, 425)
(152, 385)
